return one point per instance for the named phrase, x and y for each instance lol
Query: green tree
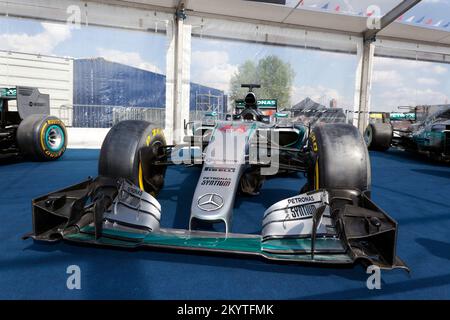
(274, 76)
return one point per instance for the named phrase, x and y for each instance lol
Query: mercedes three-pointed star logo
(210, 202)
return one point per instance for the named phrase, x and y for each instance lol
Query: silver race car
(332, 219)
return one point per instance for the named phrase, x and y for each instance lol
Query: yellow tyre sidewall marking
(316, 176)
(148, 140)
(315, 147)
(140, 177)
(314, 142)
(140, 171)
(47, 152)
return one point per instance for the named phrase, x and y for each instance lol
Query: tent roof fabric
(307, 103)
(326, 21)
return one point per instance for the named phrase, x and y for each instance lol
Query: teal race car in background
(426, 130)
(26, 127)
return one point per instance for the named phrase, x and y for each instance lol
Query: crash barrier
(199, 115)
(103, 116)
(87, 125)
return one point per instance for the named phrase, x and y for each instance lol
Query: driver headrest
(250, 99)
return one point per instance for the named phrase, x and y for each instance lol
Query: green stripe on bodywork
(277, 249)
(330, 244)
(250, 245)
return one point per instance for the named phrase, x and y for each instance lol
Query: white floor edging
(86, 138)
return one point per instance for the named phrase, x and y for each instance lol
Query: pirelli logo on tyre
(155, 132)
(55, 121)
(314, 142)
(52, 138)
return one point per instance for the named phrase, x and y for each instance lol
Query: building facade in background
(102, 87)
(51, 75)
(96, 92)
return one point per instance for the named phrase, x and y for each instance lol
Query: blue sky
(320, 75)
(140, 49)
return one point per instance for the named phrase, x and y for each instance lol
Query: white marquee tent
(249, 21)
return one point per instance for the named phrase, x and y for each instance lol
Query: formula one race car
(29, 131)
(424, 131)
(331, 220)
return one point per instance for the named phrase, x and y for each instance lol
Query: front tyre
(339, 159)
(129, 151)
(42, 137)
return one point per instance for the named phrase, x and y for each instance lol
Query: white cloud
(41, 43)
(400, 82)
(391, 77)
(435, 1)
(212, 68)
(381, 63)
(389, 100)
(428, 81)
(209, 57)
(403, 66)
(438, 69)
(133, 59)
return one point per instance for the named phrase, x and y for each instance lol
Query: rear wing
(399, 116)
(29, 100)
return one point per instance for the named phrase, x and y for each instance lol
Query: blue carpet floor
(412, 190)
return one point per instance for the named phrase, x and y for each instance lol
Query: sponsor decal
(302, 211)
(267, 103)
(8, 92)
(220, 169)
(402, 116)
(216, 181)
(210, 202)
(36, 104)
(301, 200)
(240, 104)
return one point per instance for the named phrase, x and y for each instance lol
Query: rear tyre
(378, 136)
(128, 151)
(42, 137)
(339, 159)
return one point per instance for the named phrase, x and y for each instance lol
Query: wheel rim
(152, 186)
(54, 138)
